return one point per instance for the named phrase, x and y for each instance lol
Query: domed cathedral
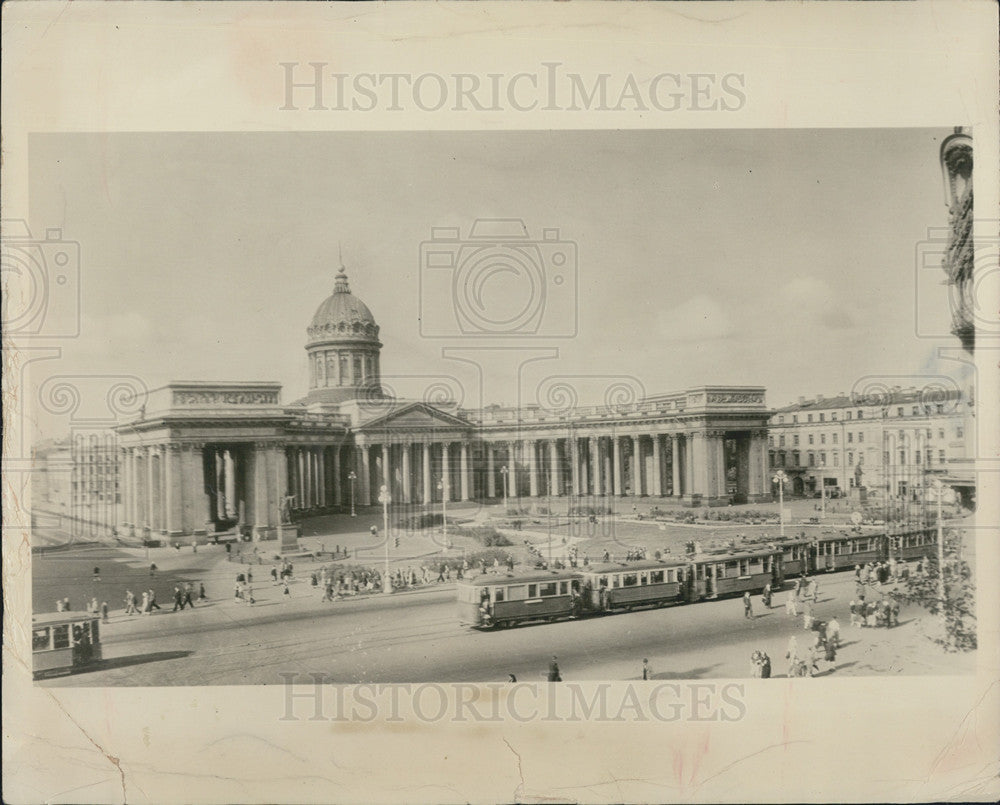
(343, 348)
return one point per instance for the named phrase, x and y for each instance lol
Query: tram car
(733, 572)
(842, 551)
(65, 642)
(625, 586)
(795, 555)
(498, 601)
(915, 544)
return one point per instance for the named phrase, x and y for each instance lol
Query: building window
(770, 441)
(836, 460)
(941, 456)
(850, 415)
(781, 420)
(861, 436)
(822, 417)
(822, 438)
(770, 454)
(795, 440)
(795, 418)
(861, 414)
(930, 456)
(940, 433)
(902, 457)
(811, 439)
(835, 438)
(833, 416)
(885, 458)
(861, 458)
(940, 408)
(959, 432)
(899, 411)
(917, 456)
(812, 460)
(809, 417)
(822, 459)
(796, 458)
(850, 437)
(916, 410)
(781, 441)
(850, 459)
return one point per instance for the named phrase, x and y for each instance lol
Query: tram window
(744, 567)
(518, 593)
(672, 575)
(732, 569)
(40, 638)
(498, 593)
(643, 578)
(699, 572)
(549, 588)
(532, 591)
(836, 549)
(656, 577)
(602, 582)
(563, 588)
(630, 580)
(616, 581)
(61, 636)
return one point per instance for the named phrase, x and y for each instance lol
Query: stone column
(675, 465)
(338, 493)
(491, 478)
(700, 484)
(636, 467)
(386, 470)
(426, 474)
(657, 467)
(151, 496)
(607, 450)
(407, 481)
(512, 469)
(321, 473)
(555, 477)
(365, 476)
(719, 452)
(464, 467)
(260, 491)
(574, 458)
(594, 470)
(618, 470)
(533, 468)
(173, 484)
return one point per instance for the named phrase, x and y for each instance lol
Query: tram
(490, 601)
(64, 642)
(499, 601)
(735, 572)
(625, 586)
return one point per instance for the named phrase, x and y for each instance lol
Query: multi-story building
(892, 443)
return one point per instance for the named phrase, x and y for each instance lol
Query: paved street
(414, 637)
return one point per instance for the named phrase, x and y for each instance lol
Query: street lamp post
(939, 487)
(352, 477)
(503, 473)
(822, 489)
(383, 498)
(779, 479)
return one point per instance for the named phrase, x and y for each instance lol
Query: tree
(958, 607)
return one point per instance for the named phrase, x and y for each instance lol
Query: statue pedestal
(858, 495)
(289, 534)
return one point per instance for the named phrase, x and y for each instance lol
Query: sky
(792, 260)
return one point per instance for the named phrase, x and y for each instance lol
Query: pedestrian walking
(807, 616)
(747, 606)
(249, 595)
(145, 604)
(814, 590)
(833, 631)
(765, 596)
(791, 606)
(647, 671)
(130, 603)
(188, 593)
(97, 574)
(152, 601)
(104, 611)
(285, 585)
(554, 675)
(201, 592)
(152, 570)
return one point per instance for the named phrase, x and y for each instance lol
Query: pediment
(414, 416)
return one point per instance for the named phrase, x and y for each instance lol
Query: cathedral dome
(342, 316)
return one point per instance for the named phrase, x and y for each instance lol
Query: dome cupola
(343, 347)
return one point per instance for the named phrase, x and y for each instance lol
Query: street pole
(352, 477)
(779, 479)
(822, 489)
(384, 500)
(503, 474)
(940, 547)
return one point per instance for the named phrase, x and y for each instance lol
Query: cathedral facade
(206, 457)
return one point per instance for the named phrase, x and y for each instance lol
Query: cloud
(699, 318)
